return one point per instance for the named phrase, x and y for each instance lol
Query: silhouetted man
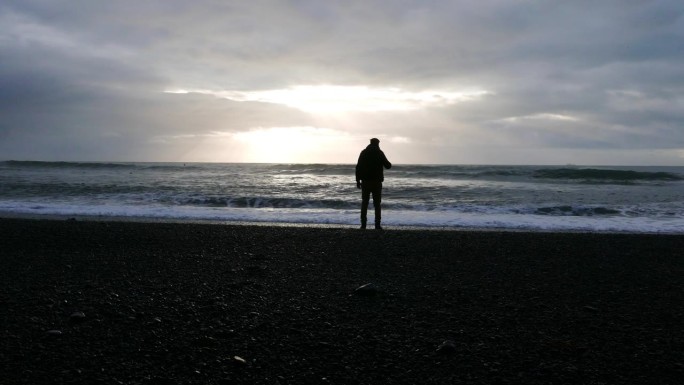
(369, 178)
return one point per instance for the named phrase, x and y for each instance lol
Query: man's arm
(358, 171)
(386, 163)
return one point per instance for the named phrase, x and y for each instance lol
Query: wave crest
(266, 202)
(576, 211)
(605, 175)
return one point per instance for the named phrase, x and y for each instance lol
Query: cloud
(556, 79)
(324, 99)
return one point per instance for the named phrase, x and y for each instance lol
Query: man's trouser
(369, 187)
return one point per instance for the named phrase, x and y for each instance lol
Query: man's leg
(365, 198)
(377, 201)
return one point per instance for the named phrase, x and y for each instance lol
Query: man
(369, 178)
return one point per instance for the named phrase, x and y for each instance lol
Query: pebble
(159, 381)
(77, 316)
(368, 290)
(447, 347)
(54, 332)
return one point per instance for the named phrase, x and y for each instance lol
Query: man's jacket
(371, 163)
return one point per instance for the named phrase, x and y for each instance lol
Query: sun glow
(325, 99)
(288, 144)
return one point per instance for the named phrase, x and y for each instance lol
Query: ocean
(538, 198)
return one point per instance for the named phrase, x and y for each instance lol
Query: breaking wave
(265, 202)
(576, 211)
(605, 175)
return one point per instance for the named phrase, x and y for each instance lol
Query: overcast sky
(484, 82)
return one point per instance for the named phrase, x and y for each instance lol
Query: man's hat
(375, 141)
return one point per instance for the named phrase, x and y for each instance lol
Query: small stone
(447, 347)
(239, 360)
(225, 333)
(367, 290)
(54, 332)
(159, 381)
(590, 309)
(204, 342)
(77, 317)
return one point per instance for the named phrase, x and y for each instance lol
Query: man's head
(375, 141)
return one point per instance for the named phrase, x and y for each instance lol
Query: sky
(311, 81)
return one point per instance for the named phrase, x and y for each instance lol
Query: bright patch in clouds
(542, 116)
(288, 144)
(335, 99)
(400, 139)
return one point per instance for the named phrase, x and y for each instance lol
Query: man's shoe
(378, 227)
(363, 227)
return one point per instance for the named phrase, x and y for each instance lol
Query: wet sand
(164, 303)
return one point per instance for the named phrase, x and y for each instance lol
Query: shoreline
(162, 303)
(142, 219)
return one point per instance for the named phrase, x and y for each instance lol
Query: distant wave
(312, 168)
(457, 172)
(97, 165)
(501, 173)
(605, 175)
(40, 164)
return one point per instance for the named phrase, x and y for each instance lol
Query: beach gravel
(89, 302)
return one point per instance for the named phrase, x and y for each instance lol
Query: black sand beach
(140, 303)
